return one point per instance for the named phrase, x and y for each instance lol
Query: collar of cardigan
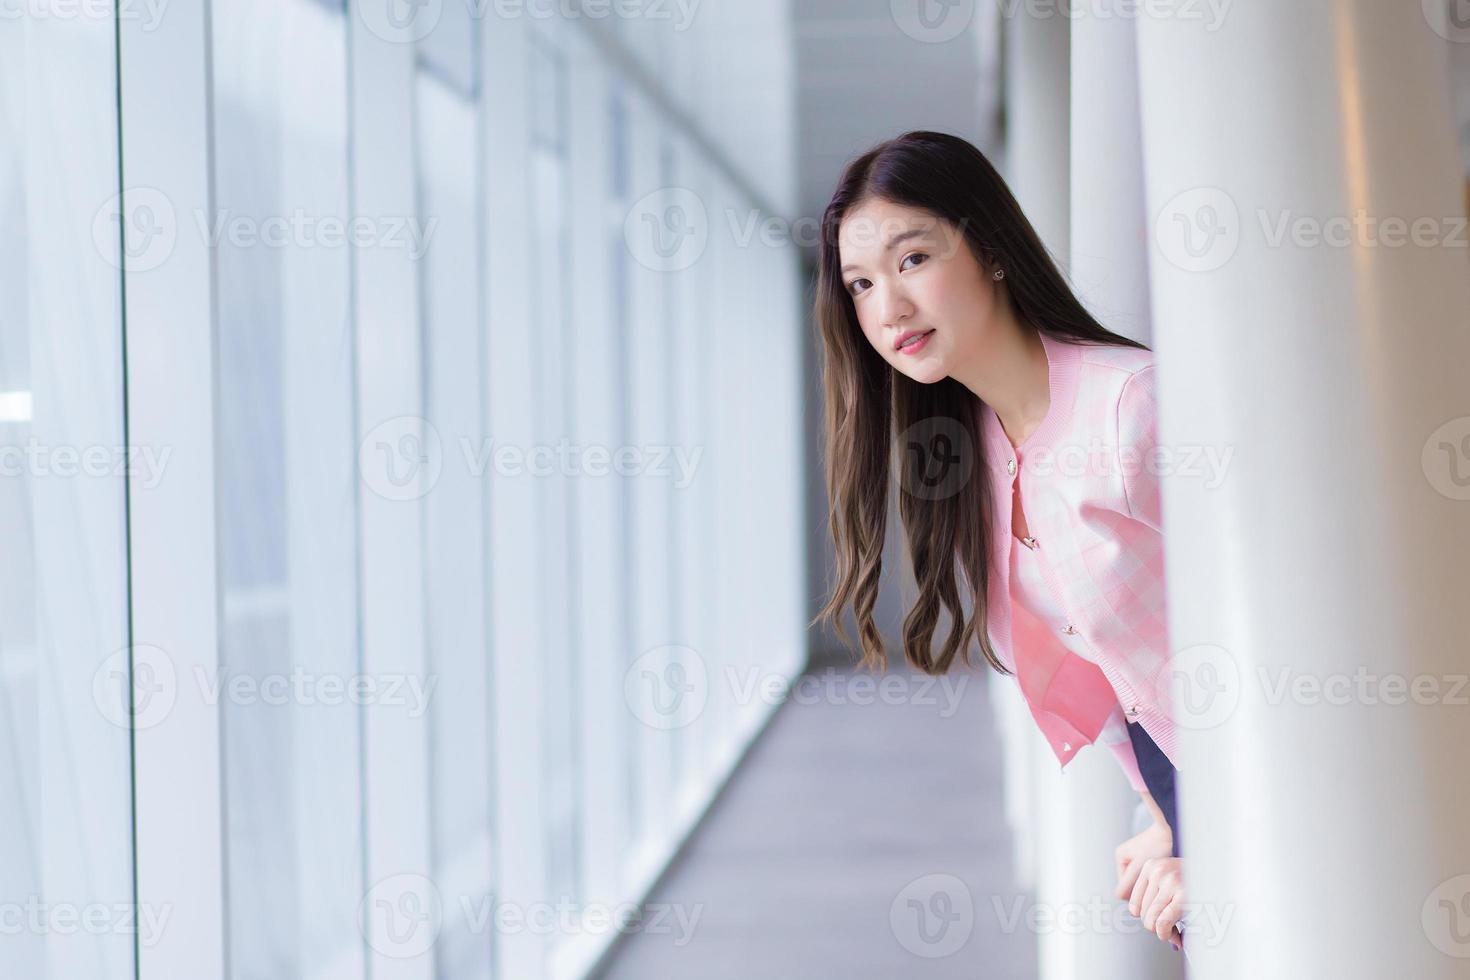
(1062, 363)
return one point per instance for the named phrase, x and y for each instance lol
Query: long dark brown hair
(869, 405)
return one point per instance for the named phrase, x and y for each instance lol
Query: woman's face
(910, 274)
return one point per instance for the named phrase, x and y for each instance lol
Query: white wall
(397, 689)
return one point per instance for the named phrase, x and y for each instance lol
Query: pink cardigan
(1035, 595)
(1093, 508)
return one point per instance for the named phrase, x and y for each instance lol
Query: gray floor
(830, 854)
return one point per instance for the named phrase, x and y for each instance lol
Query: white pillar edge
(166, 118)
(388, 354)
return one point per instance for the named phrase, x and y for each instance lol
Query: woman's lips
(917, 343)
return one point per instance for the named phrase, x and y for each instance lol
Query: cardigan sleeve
(1137, 444)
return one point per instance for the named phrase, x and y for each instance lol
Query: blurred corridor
(412, 489)
(805, 867)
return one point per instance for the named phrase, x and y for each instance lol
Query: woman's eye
(852, 286)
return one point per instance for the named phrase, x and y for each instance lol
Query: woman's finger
(1153, 918)
(1128, 878)
(1153, 900)
(1135, 899)
(1168, 916)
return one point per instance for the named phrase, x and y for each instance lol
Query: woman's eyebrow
(898, 239)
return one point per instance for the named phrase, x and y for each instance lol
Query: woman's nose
(897, 309)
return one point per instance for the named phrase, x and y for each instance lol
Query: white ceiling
(861, 79)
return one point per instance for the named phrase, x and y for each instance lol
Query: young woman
(1020, 428)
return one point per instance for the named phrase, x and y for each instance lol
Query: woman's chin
(926, 372)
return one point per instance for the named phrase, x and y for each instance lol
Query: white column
(1036, 167)
(1073, 127)
(1037, 163)
(1088, 811)
(515, 629)
(1326, 814)
(1038, 135)
(593, 369)
(1109, 261)
(402, 899)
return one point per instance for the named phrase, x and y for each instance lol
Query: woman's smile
(913, 341)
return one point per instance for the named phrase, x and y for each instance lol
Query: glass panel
(674, 422)
(66, 864)
(549, 175)
(454, 528)
(287, 540)
(647, 407)
(620, 201)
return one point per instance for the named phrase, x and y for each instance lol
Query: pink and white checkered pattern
(1029, 588)
(1093, 507)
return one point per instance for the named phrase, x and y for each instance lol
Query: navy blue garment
(1158, 775)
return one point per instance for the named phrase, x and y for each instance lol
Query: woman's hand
(1158, 897)
(1155, 842)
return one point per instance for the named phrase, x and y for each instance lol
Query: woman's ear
(995, 269)
(990, 263)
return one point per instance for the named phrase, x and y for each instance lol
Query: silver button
(1029, 542)
(1133, 711)
(1011, 466)
(1066, 746)
(1069, 628)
